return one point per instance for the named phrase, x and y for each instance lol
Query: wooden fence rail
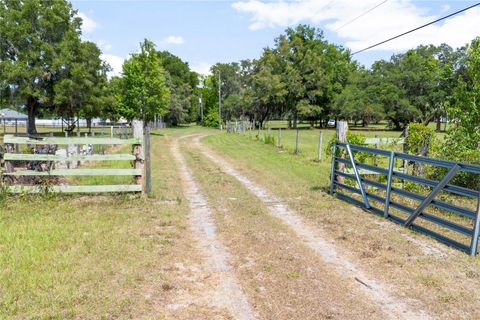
(136, 158)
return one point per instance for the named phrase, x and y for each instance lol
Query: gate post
(342, 129)
(476, 231)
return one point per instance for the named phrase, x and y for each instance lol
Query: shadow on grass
(325, 189)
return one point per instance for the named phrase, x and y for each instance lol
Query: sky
(203, 32)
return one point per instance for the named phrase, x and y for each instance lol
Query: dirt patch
(312, 237)
(221, 289)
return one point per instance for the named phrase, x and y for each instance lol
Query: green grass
(375, 244)
(90, 257)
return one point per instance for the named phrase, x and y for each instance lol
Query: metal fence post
(476, 231)
(332, 175)
(389, 184)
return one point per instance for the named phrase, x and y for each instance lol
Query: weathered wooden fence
(447, 212)
(10, 157)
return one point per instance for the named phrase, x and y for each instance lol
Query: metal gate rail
(360, 184)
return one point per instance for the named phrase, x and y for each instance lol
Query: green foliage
(181, 83)
(144, 91)
(269, 139)
(84, 88)
(38, 40)
(421, 139)
(465, 106)
(352, 138)
(211, 119)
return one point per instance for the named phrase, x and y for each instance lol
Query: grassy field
(71, 257)
(122, 256)
(444, 279)
(309, 140)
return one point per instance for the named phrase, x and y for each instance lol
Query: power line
(417, 28)
(358, 17)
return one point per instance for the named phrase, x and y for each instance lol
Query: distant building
(9, 115)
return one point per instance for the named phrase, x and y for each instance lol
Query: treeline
(47, 70)
(304, 77)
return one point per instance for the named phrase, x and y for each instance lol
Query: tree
(82, 88)
(269, 91)
(31, 31)
(358, 101)
(181, 83)
(465, 106)
(313, 72)
(144, 92)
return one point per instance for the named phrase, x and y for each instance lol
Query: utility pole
(219, 101)
(201, 107)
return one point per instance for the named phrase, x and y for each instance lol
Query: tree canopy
(144, 92)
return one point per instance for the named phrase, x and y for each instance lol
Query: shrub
(421, 140)
(211, 119)
(269, 139)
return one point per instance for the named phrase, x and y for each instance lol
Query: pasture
(124, 256)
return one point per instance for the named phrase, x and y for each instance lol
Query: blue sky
(205, 32)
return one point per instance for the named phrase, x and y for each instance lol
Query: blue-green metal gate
(445, 221)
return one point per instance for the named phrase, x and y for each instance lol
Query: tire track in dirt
(223, 289)
(311, 236)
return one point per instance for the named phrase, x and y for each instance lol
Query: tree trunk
(295, 120)
(439, 124)
(31, 112)
(89, 125)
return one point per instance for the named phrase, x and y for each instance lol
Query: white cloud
(201, 68)
(103, 45)
(115, 62)
(445, 8)
(88, 24)
(392, 18)
(176, 40)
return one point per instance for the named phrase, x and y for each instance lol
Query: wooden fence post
(320, 143)
(138, 152)
(297, 138)
(342, 129)
(78, 146)
(279, 137)
(148, 163)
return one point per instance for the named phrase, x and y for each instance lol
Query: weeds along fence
(417, 192)
(45, 168)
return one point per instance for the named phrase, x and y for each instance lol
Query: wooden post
(8, 164)
(320, 143)
(342, 129)
(279, 137)
(138, 152)
(148, 163)
(78, 146)
(297, 141)
(377, 145)
(17, 148)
